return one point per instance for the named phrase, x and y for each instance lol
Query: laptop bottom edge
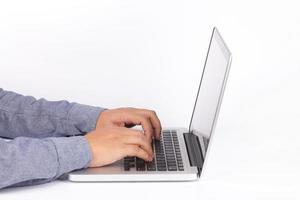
(133, 177)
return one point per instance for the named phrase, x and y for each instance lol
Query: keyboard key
(172, 164)
(140, 164)
(151, 166)
(170, 156)
(161, 168)
(160, 162)
(172, 168)
(180, 168)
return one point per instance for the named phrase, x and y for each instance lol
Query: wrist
(89, 139)
(101, 118)
(83, 118)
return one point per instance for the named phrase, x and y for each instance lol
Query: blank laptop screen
(211, 87)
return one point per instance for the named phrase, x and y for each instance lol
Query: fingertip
(150, 158)
(158, 135)
(158, 130)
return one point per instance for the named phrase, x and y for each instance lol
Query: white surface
(150, 54)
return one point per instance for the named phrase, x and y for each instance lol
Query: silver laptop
(180, 154)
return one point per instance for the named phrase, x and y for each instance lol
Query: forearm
(26, 116)
(30, 161)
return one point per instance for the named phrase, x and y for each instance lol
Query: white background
(150, 54)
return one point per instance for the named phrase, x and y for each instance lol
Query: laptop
(181, 153)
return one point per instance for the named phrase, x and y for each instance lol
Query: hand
(114, 143)
(128, 117)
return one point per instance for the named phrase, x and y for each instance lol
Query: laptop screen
(211, 88)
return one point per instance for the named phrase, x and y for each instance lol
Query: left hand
(129, 117)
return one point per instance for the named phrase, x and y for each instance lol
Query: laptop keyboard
(167, 155)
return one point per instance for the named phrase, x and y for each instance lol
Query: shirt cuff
(83, 118)
(72, 153)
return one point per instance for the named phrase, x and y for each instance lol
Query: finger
(155, 122)
(131, 136)
(135, 150)
(139, 139)
(139, 119)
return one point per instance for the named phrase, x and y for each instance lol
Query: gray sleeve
(27, 161)
(25, 116)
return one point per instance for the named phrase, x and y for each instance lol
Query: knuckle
(142, 118)
(137, 150)
(148, 149)
(152, 112)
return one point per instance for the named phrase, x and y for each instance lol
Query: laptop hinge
(194, 150)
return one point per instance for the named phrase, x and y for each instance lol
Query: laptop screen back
(211, 89)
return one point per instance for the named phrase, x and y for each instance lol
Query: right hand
(129, 117)
(110, 144)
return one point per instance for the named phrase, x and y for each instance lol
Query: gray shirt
(46, 138)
